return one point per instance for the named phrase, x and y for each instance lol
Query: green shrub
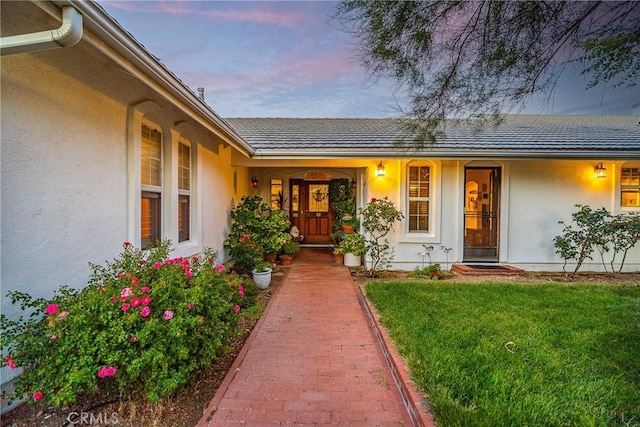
(433, 272)
(256, 229)
(144, 323)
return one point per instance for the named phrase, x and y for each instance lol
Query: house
(102, 144)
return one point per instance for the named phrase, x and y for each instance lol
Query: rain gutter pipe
(69, 33)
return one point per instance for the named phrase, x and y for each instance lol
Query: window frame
(621, 187)
(432, 235)
(184, 194)
(152, 191)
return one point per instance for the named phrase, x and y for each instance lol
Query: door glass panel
(318, 198)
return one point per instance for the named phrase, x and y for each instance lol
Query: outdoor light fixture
(254, 181)
(600, 171)
(380, 171)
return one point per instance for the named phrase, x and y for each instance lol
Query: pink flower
(157, 265)
(133, 339)
(125, 306)
(168, 315)
(52, 309)
(146, 300)
(8, 361)
(108, 371)
(37, 395)
(54, 337)
(135, 281)
(135, 302)
(241, 291)
(145, 312)
(236, 308)
(187, 273)
(190, 305)
(114, 299)
(63, 314)
(145, 289)
(220, 268)
(126, 292)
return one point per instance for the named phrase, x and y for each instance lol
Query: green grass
(518, 355)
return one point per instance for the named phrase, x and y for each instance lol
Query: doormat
(486, 269)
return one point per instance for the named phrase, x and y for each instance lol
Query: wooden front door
(316, 220)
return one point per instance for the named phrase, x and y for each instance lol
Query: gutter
(106, 35)
(69, 34)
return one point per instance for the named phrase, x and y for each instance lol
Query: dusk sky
(288, 59)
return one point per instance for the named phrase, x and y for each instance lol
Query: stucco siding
(63, 178)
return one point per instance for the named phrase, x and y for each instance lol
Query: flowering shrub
(433, 272)
(144, 323)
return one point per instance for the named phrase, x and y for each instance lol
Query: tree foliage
(480, 59)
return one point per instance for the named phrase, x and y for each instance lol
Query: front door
(316, 222)
(481, 213)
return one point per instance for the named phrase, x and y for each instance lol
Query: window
(184, 191)
(629, 186)
(418, 198)
(151, 180)
(277, 198)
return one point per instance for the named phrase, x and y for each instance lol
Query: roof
(519, 136)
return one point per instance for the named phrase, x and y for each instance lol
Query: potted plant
(343, 201)
(353, 247)
(262, 274)
(338, 255)
(288, 250)
(349, 223)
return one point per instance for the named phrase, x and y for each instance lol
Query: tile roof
(518, 136)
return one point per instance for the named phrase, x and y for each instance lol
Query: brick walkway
(312, 359)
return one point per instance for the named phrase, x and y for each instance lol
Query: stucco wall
(63, 178)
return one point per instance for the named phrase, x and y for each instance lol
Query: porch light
(380, 171)
(600, 171)
(254, 181)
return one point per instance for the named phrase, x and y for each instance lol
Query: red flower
(135, 302)
(52, 309)
(127, 244)
(373, 200)
(37, 395)
(190, 305)
(146, 300)
(8, 361)
(125, 306)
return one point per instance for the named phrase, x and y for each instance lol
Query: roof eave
(446, 153)
(109, 32)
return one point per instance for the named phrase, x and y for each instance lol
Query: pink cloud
(189, 8)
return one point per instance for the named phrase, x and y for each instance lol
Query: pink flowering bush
(144, 323)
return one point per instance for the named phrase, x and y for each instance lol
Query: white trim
(433, 235)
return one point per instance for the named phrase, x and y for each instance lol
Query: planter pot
(348, 229)
(338, 258)
(285, 260)
(351, 260)
(270, 257)
(262, 279)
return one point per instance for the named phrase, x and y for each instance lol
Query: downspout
(69, 33)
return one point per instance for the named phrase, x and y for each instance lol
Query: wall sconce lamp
(254, 181)
(380, 171)
(600, 171)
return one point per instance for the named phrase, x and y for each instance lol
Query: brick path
(312, 359)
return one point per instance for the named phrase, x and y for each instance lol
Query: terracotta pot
(270, 257)
(348, 229)
(285, 260)
(338, 258)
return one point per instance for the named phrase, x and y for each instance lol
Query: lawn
(495, 354)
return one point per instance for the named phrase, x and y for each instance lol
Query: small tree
(378, 218)
(579, 243)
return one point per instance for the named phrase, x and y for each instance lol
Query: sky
(289, 59)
